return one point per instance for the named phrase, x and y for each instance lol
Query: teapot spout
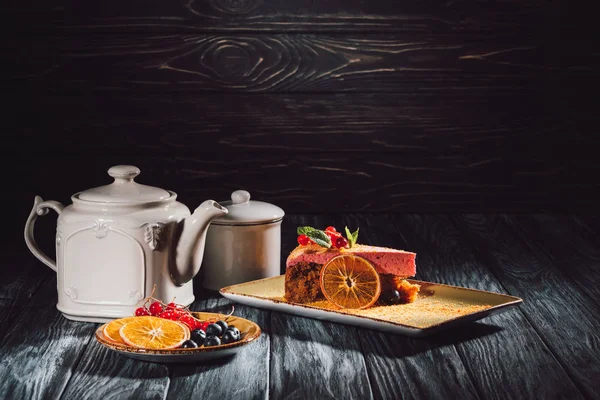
(190, 246)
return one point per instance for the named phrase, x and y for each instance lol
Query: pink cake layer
(385, 260)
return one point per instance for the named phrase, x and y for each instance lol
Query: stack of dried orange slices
(147, 332)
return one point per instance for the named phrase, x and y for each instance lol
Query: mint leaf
(348, 236)
(316, 235)
(352, 237)
(319, 237)
(303, 230)
(355, 235)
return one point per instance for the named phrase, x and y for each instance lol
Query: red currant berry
(141, 312)
(196, 324)
(330, 229)
(189, 321)
(156, 308)
(204, 325)
(176, 316)
(168, 315)
(332, 235)
(303, 240)
(341, 242)
(332, 238)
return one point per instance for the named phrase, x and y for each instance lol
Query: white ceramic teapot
(117, 242)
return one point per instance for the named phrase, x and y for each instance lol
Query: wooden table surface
(548, 347)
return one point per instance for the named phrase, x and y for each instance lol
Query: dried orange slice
(148, 332)
(111, 330)
(350, 281)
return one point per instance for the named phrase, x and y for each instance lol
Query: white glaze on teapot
(116, 243)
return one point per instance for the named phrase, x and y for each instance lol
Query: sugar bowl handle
(40, 207)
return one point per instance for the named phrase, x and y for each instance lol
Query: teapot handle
(40, 207)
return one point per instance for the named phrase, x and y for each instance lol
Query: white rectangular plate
(438, 307)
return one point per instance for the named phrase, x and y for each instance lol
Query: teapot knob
(124, 172)
(240, 196)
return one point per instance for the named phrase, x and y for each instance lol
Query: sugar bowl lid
(124, 189)
(243, 211)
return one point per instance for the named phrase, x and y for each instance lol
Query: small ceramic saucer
(249, 330)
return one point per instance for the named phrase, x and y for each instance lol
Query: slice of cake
(303, 266)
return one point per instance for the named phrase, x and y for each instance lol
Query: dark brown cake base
(302, 283)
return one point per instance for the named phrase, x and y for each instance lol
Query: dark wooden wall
(314, 106)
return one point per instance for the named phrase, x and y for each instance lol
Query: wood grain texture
(105, 374)
(325, 354)
(434, 63)
(352, 182)
(41, 349)
(476, 129)
(398, 365)
(414, 369)
(307, 350)
(492, 350)
(243, 376)
(559, 310)
(457, 120)
(587, 224)
(382, 152)
(499, 357)
(556, 239)
(19, 281)
(294, 15)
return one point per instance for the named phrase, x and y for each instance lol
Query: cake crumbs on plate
(423, 313)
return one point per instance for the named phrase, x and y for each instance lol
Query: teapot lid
(242, 211)
(124, 189)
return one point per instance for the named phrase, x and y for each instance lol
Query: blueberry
(229, 336)
(214, 330)
(392, 297)
(198, 336)
(235, 331)
(222, 324)
(189, 344)
(212, 341)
